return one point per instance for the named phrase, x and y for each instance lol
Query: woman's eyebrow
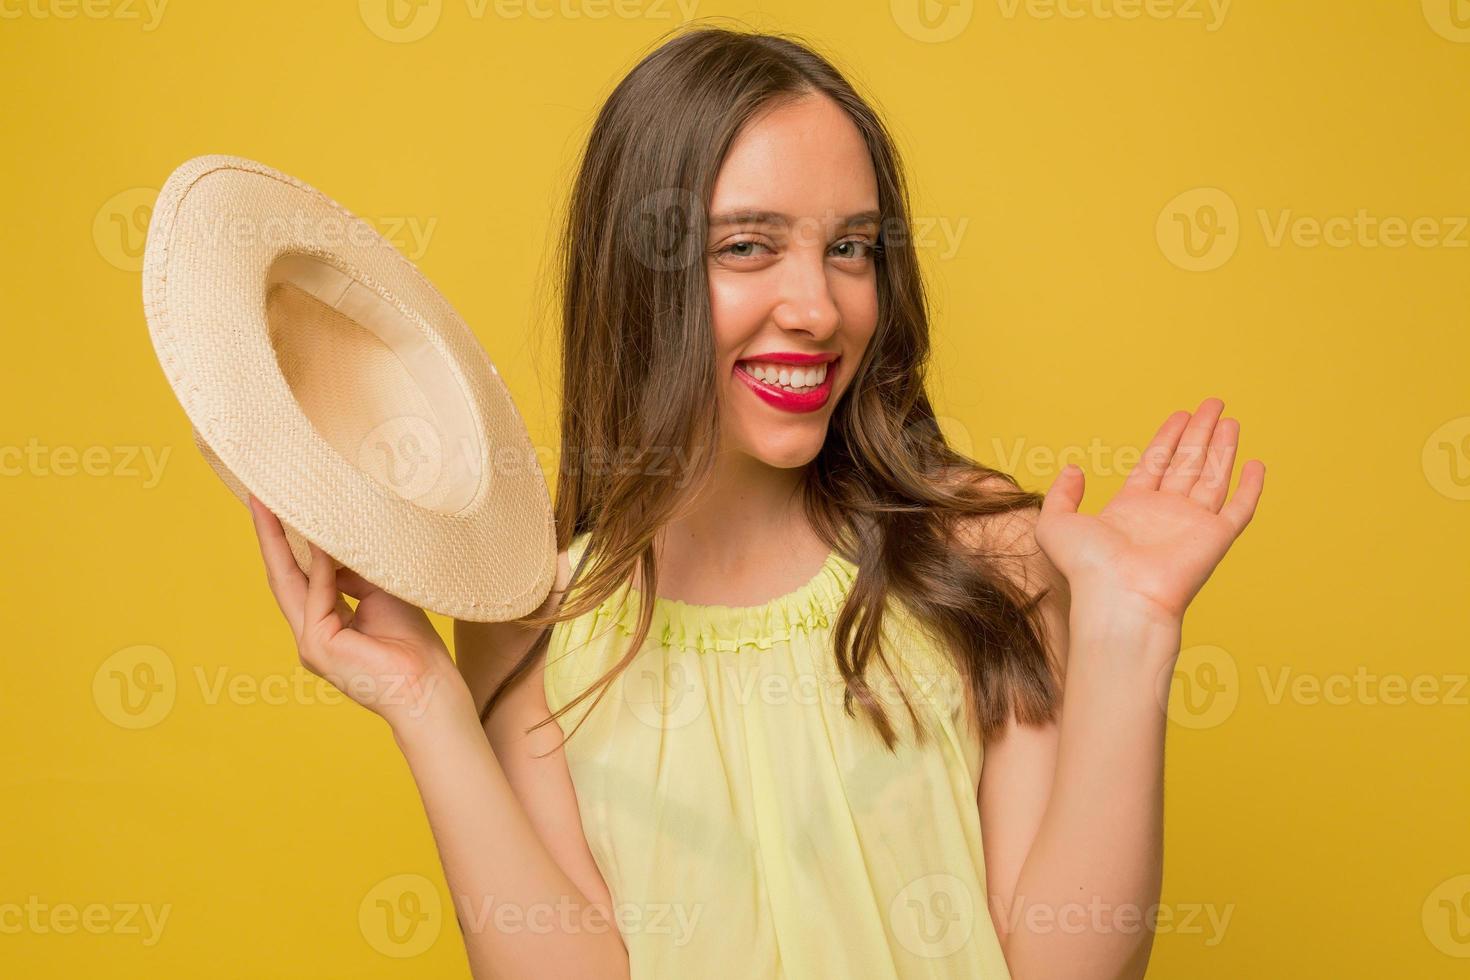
(754, 216)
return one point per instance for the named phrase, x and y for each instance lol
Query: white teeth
(786, 376)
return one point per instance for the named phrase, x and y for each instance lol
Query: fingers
(1242, 506)
(1189, 456)
(1065, 494)
(322, 594)
(354, 584)
(1150, 467)
(283, 575)
(1214, 482)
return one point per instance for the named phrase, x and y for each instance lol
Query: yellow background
(1071, 316)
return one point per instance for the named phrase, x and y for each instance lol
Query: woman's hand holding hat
(385, 655)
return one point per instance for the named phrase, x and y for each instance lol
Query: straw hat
(322, 372)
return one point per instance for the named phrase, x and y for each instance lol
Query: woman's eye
(734, 249)
(853, 250)
(858, 249)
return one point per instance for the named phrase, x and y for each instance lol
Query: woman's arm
(519, 911)
(534, 763)
(529, 897)
(1072, 811)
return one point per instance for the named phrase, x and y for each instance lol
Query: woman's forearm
(520, 915)
(1086, 893)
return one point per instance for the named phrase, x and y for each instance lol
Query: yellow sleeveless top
(745, 825)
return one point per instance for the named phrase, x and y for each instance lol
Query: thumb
(1066, 491)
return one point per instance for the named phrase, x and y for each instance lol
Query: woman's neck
(741, 538)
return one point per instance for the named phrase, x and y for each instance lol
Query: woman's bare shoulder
(487, 652)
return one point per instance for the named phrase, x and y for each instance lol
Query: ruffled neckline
(713, 627)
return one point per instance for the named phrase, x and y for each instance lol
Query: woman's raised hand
(385, 655)
(1163, 533)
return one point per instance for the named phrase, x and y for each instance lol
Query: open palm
(1159, 538)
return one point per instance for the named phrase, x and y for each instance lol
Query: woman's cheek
(736, 312)
(858, 302)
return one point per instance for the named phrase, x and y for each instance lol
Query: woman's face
(793, 285)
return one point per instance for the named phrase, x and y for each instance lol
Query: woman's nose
(806, 300)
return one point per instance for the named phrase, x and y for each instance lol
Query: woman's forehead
(804, 159)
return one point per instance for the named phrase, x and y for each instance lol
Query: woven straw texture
(323, 372)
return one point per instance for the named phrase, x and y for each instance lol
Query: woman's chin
(785, 451)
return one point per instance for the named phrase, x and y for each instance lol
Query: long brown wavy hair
(638, 361)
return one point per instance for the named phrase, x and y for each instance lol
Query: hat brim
(482, 550)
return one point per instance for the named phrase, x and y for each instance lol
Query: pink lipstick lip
(789, 401)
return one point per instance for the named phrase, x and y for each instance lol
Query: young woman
(773, 768)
